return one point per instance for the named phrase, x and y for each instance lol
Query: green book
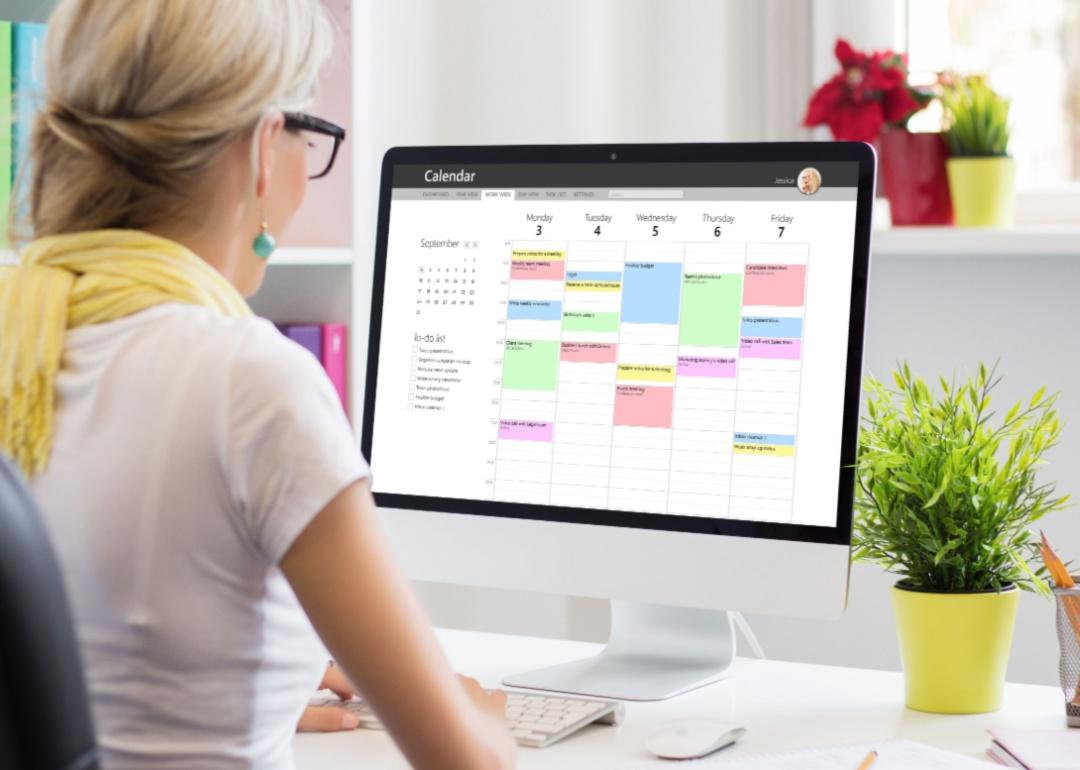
(6, 167)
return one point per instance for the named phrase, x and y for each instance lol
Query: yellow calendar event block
(645, 373)
(593, 286)
(772, 450)
(537, 255)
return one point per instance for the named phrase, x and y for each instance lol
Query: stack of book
(21, 86)
(1036, 749)
(328, 343)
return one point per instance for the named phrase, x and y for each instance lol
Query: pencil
(1055, 566)
(869, 760)
(1062, 579)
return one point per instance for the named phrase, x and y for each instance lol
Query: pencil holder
(1068, 630)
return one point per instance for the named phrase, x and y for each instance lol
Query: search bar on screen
(647, 194)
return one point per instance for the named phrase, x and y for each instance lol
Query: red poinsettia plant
(870, 92)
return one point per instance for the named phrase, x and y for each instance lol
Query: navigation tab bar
(657, 195)
(773, 174)
(496, 195)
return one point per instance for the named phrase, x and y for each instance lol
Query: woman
(201, 485)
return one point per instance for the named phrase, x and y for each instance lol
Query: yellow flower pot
(983, 191)
(954, 648)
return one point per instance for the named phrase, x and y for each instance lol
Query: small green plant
(945, 495)
(977, 119)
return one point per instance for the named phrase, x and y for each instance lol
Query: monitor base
(654, 652)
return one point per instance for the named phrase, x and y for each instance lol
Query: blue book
(28, 71)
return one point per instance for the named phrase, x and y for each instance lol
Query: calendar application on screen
(655, 338)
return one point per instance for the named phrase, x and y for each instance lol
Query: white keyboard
(534, 720)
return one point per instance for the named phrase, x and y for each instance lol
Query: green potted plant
(982, 175)
(946, 495)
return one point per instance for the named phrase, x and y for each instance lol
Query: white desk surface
(785, 706)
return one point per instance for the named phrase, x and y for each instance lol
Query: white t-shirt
(190, 451)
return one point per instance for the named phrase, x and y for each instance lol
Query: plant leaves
(947, 492)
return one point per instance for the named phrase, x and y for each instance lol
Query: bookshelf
(318, 274)
(317, 256)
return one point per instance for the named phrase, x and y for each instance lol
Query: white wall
(560, 71)
(512, 71)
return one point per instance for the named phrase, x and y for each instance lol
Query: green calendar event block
(530, 365)
(711, 309)
(583, 321)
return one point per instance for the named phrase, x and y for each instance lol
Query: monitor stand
(654, 652)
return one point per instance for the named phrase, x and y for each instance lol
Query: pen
(869, 760)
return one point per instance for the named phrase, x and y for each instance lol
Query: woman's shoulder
(175, 321)
(195, 319)
(217, 333)
(256, 351)
(246, 348)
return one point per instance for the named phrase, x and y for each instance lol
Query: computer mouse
(692, 738)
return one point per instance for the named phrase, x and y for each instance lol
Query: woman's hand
(328, 719)
(342, 569)
(491, 702)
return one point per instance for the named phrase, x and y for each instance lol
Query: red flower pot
(912, 175)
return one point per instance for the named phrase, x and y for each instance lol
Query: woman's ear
(269, 130)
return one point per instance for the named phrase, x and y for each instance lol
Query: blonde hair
(143, 95)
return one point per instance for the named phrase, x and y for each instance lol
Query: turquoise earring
(264, 243)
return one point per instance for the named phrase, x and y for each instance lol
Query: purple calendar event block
(525, 430)
(769, 347)
(693, 366)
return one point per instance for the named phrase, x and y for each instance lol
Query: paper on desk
(892, 755)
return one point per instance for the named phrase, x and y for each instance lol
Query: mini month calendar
(448, 281)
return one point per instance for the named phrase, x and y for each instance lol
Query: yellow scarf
(68, 281)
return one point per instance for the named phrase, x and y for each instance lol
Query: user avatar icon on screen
(809, 181)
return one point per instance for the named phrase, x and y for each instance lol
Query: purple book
(307, 336)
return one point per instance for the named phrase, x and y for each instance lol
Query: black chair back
(45, 719)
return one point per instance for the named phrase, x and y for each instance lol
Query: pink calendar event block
(774, 285)
(537, 270)
(693, 366)
(525, 430)
(643, 406)
(588, 352)
(770, 347)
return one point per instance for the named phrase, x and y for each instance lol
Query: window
(1030, 51)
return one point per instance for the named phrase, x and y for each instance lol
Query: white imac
(628, 372)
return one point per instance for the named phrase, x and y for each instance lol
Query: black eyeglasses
(324, 139)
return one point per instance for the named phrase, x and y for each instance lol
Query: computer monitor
(628, 372)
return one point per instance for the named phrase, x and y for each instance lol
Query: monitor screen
(651, 344)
